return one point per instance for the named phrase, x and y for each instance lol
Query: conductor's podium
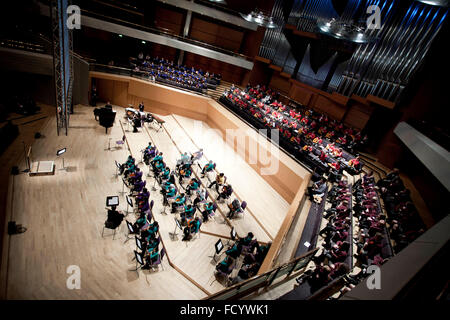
(42, 168)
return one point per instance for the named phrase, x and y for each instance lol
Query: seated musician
(246, 241)
(207, 168)
(185, 172)
(136, 123)
(158, 167)
(226, 265)
(246, 272)
(337, 152)
(193, 226)
(149, 118)
(141, 106)
(235, 207)
(108, 105)
(180, 200)
(152, 231)
(354, 163)
(201, 197)
(129, 162)
(114, 217)
(227, 191)
(151, 256)
(140, 222)
(137, 186)
(143, 196)
(165, 174)
(168, 192)
(150, 153)
(158, 157)
(135, 176)
(235, 250)
(219, 181)
(185, 158)
(209, 209)
(131, 169)
(188, 212)
(192, 186)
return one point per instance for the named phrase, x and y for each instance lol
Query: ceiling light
(344, 30)
(260, 18)
(439, 3)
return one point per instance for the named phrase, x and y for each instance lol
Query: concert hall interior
(224, 150)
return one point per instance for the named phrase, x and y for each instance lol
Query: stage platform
(65, 215)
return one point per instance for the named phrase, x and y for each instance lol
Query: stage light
(439, 3)
(120, 36)
(344, 30)
(143, 42)
(218, 1)
(260, 18)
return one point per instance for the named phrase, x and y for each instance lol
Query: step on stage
(42, 168)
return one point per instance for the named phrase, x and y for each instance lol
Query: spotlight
(438, 3)
(344, 30)
(260, 18)
(218, 1)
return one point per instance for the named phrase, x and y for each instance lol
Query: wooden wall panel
(216, 34)
(169, 19)
(104, 89)
(260, 74)
(358, 115)
(300, 94)
(329, 107)
(157, 50)
(282, 84)
(114, 91)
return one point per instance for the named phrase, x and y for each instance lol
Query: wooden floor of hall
(65, 213)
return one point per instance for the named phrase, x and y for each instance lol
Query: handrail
(270, 275)
(167, 34)
(130, 72)
(280, 238)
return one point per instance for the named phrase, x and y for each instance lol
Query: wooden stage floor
(65, 213)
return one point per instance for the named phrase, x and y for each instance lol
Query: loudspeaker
(12, 227)
(37, 135)
(15, 170)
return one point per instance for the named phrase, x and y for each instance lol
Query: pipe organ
(381, 67)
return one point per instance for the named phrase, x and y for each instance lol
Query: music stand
(177, 225)
(138, 243)
(154, 183)
(218, 247)
(129, 203)
(142, 156)
(117, 168)
(60, 152)
(233, 236)
(112, 201)
(139, 260)
(130, 231)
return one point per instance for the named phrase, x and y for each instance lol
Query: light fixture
(218, 1)
(260, 18)
(344, 30)
(439, 3)
(120, 36)
(143, 42)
